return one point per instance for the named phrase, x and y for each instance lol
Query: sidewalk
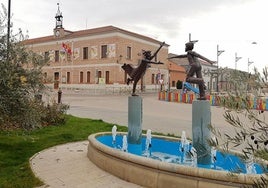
(68, 166)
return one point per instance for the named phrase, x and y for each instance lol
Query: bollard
(59, 96)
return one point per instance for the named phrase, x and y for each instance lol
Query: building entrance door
(107, 79)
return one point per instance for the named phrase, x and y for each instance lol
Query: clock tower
(58, 30)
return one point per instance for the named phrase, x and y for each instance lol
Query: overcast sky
(232, 24)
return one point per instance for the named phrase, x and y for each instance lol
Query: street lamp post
(219, 52)
(249, 63)
(236, 59)
(190, 40)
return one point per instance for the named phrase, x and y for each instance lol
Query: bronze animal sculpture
(137, 73)
(195, 68)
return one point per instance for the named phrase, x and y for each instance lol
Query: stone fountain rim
(209, 174)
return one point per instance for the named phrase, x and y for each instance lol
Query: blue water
(170, 151)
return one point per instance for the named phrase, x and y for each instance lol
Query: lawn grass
(18, 146)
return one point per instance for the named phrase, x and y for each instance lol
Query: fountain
(124, 145)
(160, 161)
(213, 153)
(114, 129)
(184, 146)
(148, 143)
(187, 154)
(187, 151)
(167, 170)
(195, 164)
(250, 165)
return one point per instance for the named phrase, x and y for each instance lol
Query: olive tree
(250, 135)
(21, 80)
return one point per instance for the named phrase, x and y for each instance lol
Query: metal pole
(189, 37)
(248, 65)
(235, 60)
(217, 78)
(8, 27)
(218, 54)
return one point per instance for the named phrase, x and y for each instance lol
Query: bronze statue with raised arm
(135, 74)
(195, 68)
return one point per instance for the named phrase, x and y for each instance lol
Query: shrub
(54, 114)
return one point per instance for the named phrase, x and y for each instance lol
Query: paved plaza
(68, 166)
(159, 116)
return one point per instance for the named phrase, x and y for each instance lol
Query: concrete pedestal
(134, 124)
(201, 119)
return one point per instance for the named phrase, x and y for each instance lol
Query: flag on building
(67, 48)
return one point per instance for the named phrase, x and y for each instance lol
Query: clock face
(57, 33)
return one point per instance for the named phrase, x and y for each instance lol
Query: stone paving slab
(68, 166)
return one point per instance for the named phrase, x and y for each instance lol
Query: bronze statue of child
(195, 68)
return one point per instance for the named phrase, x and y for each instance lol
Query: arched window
(88, 77)
(81, 77)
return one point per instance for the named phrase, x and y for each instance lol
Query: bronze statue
(135, 74)
(195, 68)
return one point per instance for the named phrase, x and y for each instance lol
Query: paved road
(159, 116)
